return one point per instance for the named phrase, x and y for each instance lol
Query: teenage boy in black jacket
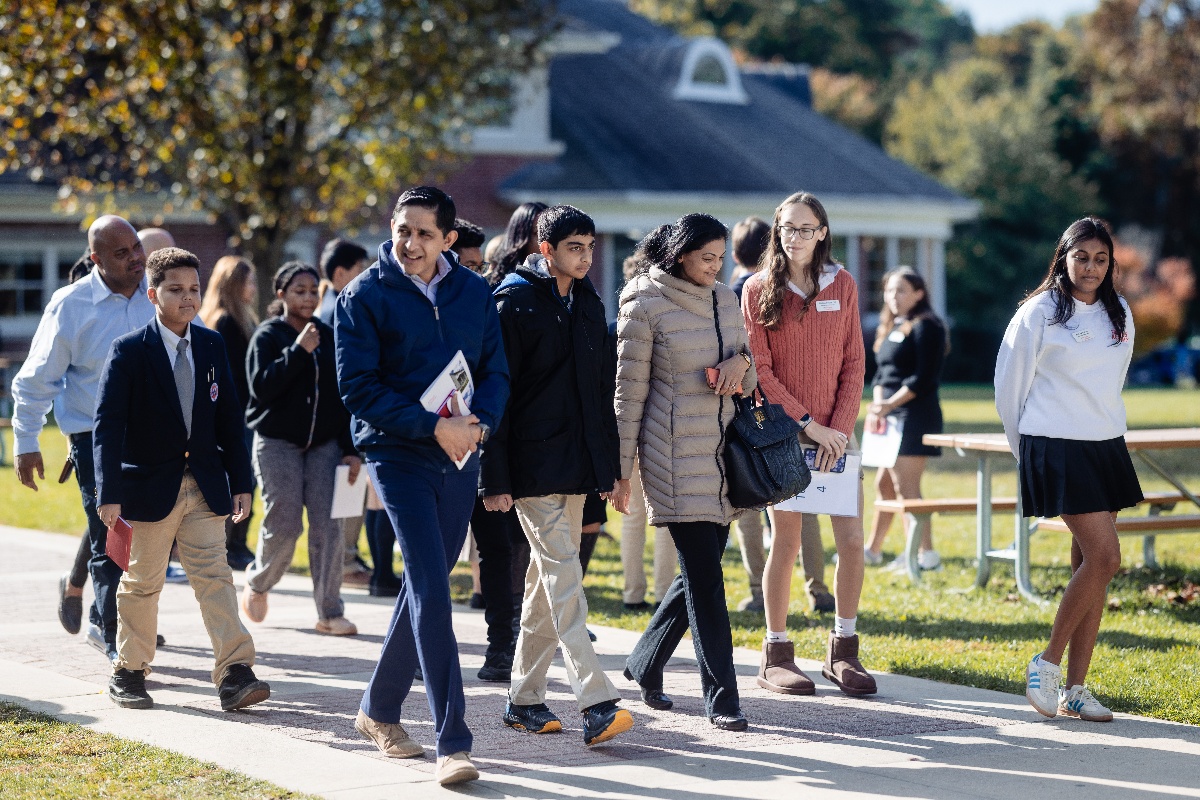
(169, 449)
(556, 442)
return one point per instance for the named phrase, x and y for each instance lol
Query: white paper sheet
(881, 449)
(348, 499)
(832, 493)
(455, 382)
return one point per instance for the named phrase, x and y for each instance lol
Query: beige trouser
(555, 608)
(201, 537)
(633, 548)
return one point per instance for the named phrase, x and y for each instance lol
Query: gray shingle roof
(624, 131)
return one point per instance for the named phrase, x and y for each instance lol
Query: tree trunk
(266, 250)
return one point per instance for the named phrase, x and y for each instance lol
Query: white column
(607, 276)
(924, 260)
(892, 252)
(49, 278)
(854, 265)
(938, 277)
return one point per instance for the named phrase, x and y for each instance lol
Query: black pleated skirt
(1071, 476)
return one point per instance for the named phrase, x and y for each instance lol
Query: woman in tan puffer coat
(674, 423)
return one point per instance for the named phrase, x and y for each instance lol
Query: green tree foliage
(1140, 63)
(973, 128)
(268, 114)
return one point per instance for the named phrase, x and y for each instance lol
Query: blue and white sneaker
(1078, 702)
(175, 574)
(1042, 680)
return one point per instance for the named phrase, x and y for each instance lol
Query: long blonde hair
(226, 293)
(775, 267)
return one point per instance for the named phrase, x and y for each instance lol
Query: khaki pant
(555, 608)
(633, 548)
(201, 537)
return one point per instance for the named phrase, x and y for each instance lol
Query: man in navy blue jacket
(398, 325)
(169, 448)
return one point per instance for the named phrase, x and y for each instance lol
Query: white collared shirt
(171, 343)
(828, 273)
(430, 289)
(68, 353)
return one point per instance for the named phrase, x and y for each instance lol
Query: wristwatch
(805, 421)
(745, 355)
(485, 431)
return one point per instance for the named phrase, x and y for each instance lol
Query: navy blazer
(141, 445)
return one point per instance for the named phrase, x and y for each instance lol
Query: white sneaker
(929, 560)
(1042, 680)
(872, 559)
(1078, 702)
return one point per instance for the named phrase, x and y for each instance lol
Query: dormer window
(709, 74)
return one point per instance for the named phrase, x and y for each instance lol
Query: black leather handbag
(764, 463)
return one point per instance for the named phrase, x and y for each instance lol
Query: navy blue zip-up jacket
(392, 342)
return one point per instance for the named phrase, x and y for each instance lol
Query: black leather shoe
(240, 688)
(384, 590)
(822, 602)
(419, 675)
(127, 689)
(642, 606)
(497, 667)
(535, 719)
(603, 721)
(476, 602)
(591, 636)
(159, 641)
(730, 722)
(70, 609)
(652, 697)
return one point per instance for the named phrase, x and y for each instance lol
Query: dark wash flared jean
(696, 600)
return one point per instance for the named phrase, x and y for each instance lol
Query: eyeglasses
(788, 232)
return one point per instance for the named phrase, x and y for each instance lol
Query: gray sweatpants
(293, 479)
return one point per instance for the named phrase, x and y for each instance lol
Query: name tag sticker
(829, 305)
(1082, 336)
(896, 336)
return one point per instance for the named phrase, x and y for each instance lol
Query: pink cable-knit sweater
(814, 364)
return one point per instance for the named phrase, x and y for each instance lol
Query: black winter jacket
(294, 394)
(559, 430)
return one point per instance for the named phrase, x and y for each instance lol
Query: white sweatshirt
(1062, 381)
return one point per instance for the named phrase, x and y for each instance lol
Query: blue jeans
(106, 575)
(430, 512)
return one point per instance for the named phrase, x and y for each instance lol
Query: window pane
(873, 263)
(908, 253)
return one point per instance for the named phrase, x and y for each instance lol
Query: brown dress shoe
(778, 671)
(843, 667)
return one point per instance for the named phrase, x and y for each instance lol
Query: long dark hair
(775, 264)
(922, 310)
(689, 234)
(520, 237)
(650, 251)
(1058, 282)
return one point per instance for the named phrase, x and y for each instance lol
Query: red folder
(120, 539)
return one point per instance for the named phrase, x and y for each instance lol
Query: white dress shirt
(68, 353)
(171, 343)
(430, 289)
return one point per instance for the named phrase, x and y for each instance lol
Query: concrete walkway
(916, 739)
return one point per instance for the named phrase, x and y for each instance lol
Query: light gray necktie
(185, 384)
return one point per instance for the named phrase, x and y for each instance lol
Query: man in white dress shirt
(63, 371)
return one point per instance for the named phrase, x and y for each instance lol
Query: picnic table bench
(922, 509)
(989, 446)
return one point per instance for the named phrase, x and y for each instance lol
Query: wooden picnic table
(989, 447)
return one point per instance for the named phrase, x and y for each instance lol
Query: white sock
(843, 627)
(777, 636)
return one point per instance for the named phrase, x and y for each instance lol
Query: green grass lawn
(1145, 660)
(41, 757)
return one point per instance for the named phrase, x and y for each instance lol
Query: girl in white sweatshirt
(1059, 375)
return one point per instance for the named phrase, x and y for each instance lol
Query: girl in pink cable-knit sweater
(801, 312)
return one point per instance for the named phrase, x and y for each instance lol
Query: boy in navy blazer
(169, 451)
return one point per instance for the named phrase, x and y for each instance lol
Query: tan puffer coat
(666, 414)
